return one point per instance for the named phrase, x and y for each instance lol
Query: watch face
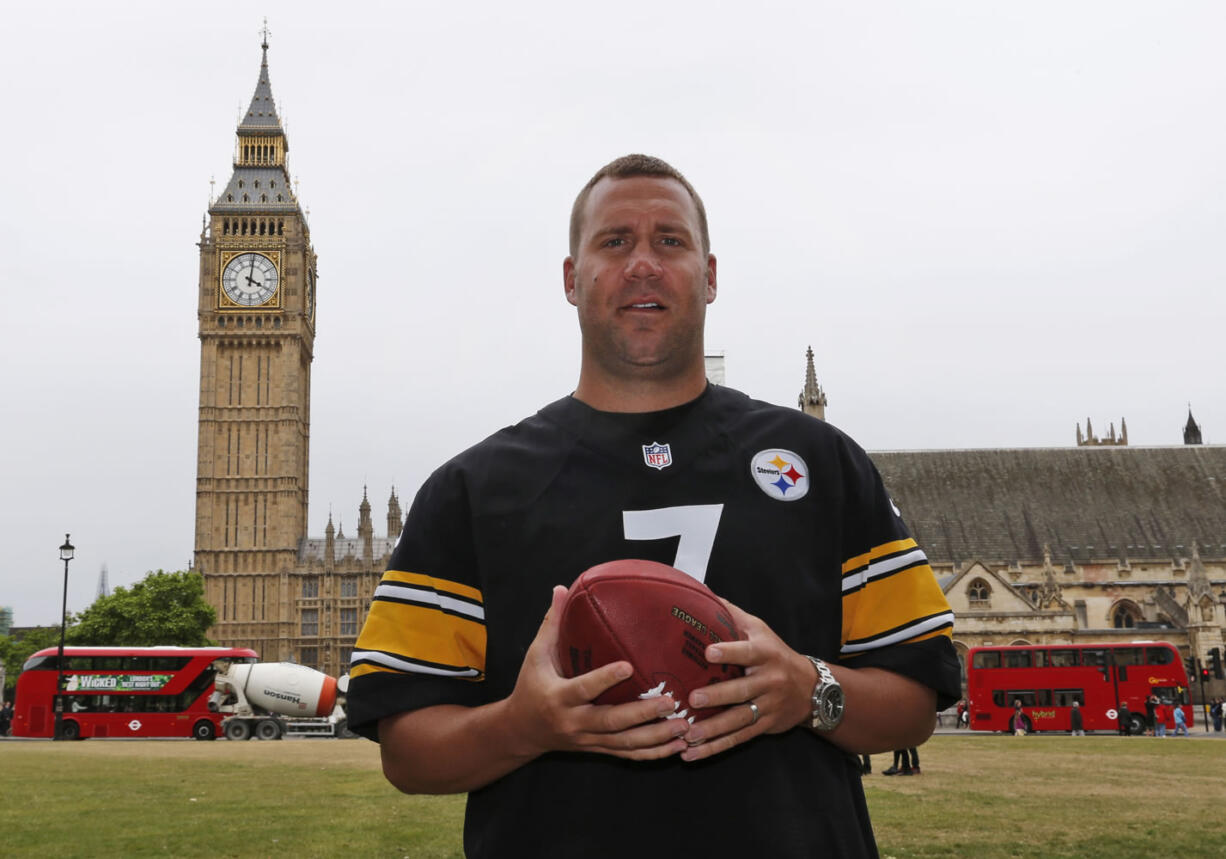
(832, 705)
(250, 279)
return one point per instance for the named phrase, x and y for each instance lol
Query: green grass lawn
(979, 796)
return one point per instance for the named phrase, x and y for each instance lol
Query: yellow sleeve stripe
(454, 589)
(897, 607)
(408, 638)
(894, 547)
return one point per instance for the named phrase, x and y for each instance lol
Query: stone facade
(1104, 542)
(1052, 546)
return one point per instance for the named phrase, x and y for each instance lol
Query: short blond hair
(626, 167)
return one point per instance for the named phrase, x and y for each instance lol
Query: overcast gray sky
(990, 220)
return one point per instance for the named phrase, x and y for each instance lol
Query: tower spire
(812, 398)
(1191, 430)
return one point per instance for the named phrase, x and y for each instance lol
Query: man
(783, 516)
(1076, 723)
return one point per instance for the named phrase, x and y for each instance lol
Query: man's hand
(883, 710)
(778, 680)
(549, 712)
(452, 749)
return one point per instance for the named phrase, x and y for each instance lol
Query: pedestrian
(1150, 704)
(1181, 722)
(1215, 713)
(961, 711)
(457, 675)
(1161, 715)
(1075, 721)
(906, 762)
(1125, 720)
(6, 718)
(1018, 720)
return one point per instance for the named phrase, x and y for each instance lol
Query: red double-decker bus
(1101, 678)
(123, 691)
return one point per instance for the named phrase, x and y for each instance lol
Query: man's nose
(643, 263)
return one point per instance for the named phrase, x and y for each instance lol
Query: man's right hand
(553, 713)
(452, 749)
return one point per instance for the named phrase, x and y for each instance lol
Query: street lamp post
(65, 556)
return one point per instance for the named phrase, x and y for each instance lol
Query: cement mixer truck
(269, 700)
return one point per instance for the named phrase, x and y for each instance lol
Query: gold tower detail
(257, 332)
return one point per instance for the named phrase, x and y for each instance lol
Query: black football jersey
(775, 511)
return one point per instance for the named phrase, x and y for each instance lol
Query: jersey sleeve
(425, 632)
(895, 615)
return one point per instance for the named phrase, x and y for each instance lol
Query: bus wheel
(1136, 724)
(204, 730)
(1027, 724)
(70, 730)
(237, 729)
(267, 729)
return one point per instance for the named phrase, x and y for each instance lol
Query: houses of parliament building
(1100, 541)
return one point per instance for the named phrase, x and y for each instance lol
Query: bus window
(1067, 697)
(1129, 656)
(1017, 659)
(987, 659)
(1093, 657)
(1171, 695)
(1063, 658)
(1028, 697)
(1040, 659)
(1158, 656)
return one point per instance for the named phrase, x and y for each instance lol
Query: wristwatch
(827, 699)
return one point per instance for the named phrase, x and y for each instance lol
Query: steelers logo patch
(781, 474)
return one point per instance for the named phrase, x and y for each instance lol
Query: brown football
(658, 619)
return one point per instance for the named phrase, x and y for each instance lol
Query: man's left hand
(778, 682)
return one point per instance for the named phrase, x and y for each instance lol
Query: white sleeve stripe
(884, 567)
(374, 657)
(927, 624)
(427, 597)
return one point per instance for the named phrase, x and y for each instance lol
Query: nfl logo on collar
(658, 456)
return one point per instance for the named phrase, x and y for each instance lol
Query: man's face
(640, 279)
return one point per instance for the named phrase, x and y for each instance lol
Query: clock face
(310, 293)
(250, 279)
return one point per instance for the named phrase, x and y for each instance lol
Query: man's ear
(711, 287)
(568, 280)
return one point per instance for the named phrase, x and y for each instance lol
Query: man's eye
(671, 241)
(615, 242)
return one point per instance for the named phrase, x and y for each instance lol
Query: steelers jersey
(775, 511)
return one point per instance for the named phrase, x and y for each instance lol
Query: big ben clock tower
(257, 333)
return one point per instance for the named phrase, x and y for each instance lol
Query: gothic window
(978, 593)
(241, 184)
(229, 198)
(349, 621)
(349, 586)
(246, 199)
(256, 183)
(1125, 615)
(263, 198)
(310, 621)
(310, 588)
(308, 656)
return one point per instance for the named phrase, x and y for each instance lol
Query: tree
(14, 653)
(163, 608)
